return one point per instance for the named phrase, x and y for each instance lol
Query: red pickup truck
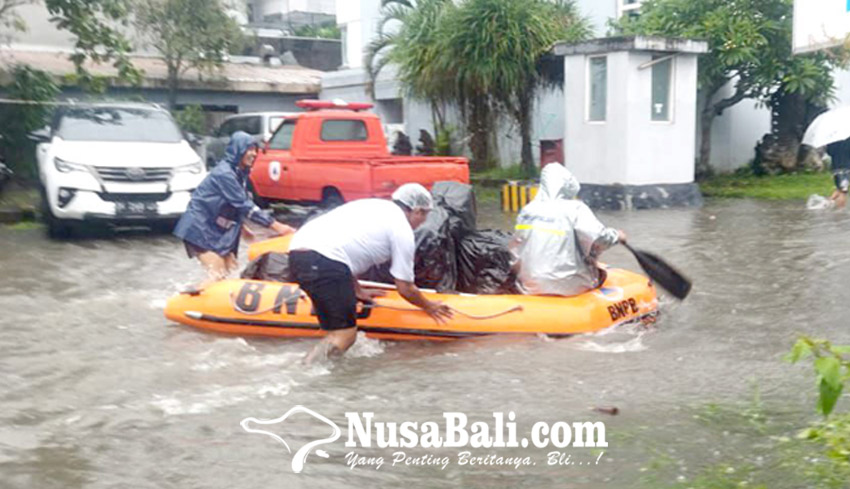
(334, 153)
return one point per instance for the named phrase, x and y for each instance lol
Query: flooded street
(98, 390)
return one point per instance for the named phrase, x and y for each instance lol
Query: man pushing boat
(328, 253)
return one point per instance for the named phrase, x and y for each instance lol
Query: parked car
(115, 163)
(334, 153)
(260, 125)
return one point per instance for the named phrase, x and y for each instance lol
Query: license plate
(131, 208)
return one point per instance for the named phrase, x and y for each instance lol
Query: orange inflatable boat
(252, 307)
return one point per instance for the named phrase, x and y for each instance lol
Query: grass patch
(25, 226)
(488, 195)
(774, 187)
(513, 172)
(15, 197)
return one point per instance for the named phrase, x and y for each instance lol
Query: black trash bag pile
(435, 263)
(271, 266)
(452, 218)
(459, 200)
(484, 263)
(451, 255)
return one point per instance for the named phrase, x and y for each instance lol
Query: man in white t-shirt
(328, 253)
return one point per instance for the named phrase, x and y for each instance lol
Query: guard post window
(597, 97)
(662, 81)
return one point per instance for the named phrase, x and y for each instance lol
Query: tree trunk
(478, 126)
(173, 84)
(790, 116)
(706, 119)
(524, 120)
(709, 112)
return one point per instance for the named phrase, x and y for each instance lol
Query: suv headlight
(66, 166)
(195, 168)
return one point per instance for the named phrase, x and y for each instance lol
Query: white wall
(734, 134)
(598, 12)
(270, 7)
(661, 152)
(588, 152)
(40, 31)
(359, 21)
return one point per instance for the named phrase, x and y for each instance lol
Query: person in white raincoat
(558, 239)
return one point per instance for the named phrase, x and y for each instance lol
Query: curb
(13, 215)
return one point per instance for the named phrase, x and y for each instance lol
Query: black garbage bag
(452, 218)
(271, 266)
(435, 263)
(484, 264)
(459, 200)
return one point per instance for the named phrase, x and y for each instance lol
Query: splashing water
(819, 203)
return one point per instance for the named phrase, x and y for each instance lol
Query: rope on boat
(516, 308)
(375, 305)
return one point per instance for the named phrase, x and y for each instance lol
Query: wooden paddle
(662, 273)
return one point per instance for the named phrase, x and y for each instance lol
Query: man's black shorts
(329, 285)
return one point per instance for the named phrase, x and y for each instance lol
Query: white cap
(414, 196)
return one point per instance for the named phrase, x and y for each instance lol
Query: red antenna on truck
(332, 104)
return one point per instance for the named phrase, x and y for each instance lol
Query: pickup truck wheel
(261, 202)
(331, 199)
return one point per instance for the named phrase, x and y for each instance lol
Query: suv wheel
(56, 228)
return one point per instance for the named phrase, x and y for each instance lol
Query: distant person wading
(840, 153)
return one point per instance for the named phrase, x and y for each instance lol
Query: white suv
(118, 163)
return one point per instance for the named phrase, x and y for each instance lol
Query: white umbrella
(829, 127)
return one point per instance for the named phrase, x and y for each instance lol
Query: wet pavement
(98, 390)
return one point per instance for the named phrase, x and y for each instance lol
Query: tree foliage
(496, 50)
(749, 45)
(408, 39)
(188, 34)
(97, 25)
(38, 89)
(191, 119)
(326, 30)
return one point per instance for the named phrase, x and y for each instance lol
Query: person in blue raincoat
(214, 220)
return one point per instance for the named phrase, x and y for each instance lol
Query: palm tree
(407, 39)
(499, 49)
(485, 57)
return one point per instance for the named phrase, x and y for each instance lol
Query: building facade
(244, 84)
(734, 134)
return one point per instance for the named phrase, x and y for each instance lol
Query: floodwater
(98, 390)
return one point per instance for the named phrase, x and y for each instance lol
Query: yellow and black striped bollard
(515, 195)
